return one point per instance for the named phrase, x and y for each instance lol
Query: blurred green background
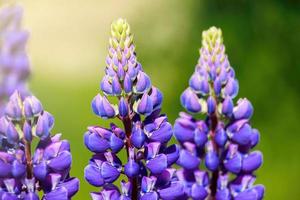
(68, 47)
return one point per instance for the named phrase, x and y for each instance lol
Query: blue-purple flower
(14, 62)
(216, 150)
(144, 135)
(25, 170)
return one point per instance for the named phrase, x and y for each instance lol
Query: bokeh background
(68, 47)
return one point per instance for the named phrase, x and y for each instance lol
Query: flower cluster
(14, 62)
(222, 140)
(146, 132)
(23, 174)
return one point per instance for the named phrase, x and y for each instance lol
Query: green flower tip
(212, 37)
(120, 34)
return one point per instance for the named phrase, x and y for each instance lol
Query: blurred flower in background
(14, 62)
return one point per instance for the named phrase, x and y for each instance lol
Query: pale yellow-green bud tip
(120, 32)
(120, 28)
(212, 37)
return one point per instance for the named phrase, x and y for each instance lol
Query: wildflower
(223, 140)
(145, 135)
(14, 62)
(24, 173)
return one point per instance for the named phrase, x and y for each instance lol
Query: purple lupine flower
(218, 145)
(14, 62)
(24, 173)
(145, 135)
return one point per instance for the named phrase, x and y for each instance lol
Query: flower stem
(134, 182)
(28, 159)
(215, 174)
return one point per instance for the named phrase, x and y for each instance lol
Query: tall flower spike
(223, 141)
(14, 62)
(145, 134)
(24, 173)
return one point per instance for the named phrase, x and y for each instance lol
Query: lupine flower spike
(14, 62)
(146, 170)
(23, 173)
(216, 157)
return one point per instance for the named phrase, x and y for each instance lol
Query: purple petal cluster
(14, 62)
(216, 156)
(146, 172)
(23, 173)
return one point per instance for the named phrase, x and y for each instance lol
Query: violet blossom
(26, 170)
(128, 95)
(216, 138)
(14, 62)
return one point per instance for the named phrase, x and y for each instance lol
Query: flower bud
(172, 153)
(174, 191)
(116, 86)
(211, 157)
(243, 110)
(138, 136)
(127, 84)
(3, 125)
(95, 143)
(148, 183)
(221, 136)
(156, 97)
(14, 107)
(243, 135)
(260, 190)
(106, 86)
(200, 137)
(5, 169)
(231, 89)
(40, 170)
(102, 107)
(32, 107)
(109, 172)
(254, 137)
(61, 162)
(157, 164)
(199, 84)
(233, 161)
(252, 161)
(144, 106)
(198, 192)
(150, 195)
(12, 134)
(162, 134)
(211, 105)
(44, 125)
(93, 176)
(187, 160)
(217, 86)
(115, 143)
(227, 106)
(184, 129)
(123, 107)
(18, 169)
(27, 130)
(131, 169)
(190, 101)
(71, 185)
(143, 83)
